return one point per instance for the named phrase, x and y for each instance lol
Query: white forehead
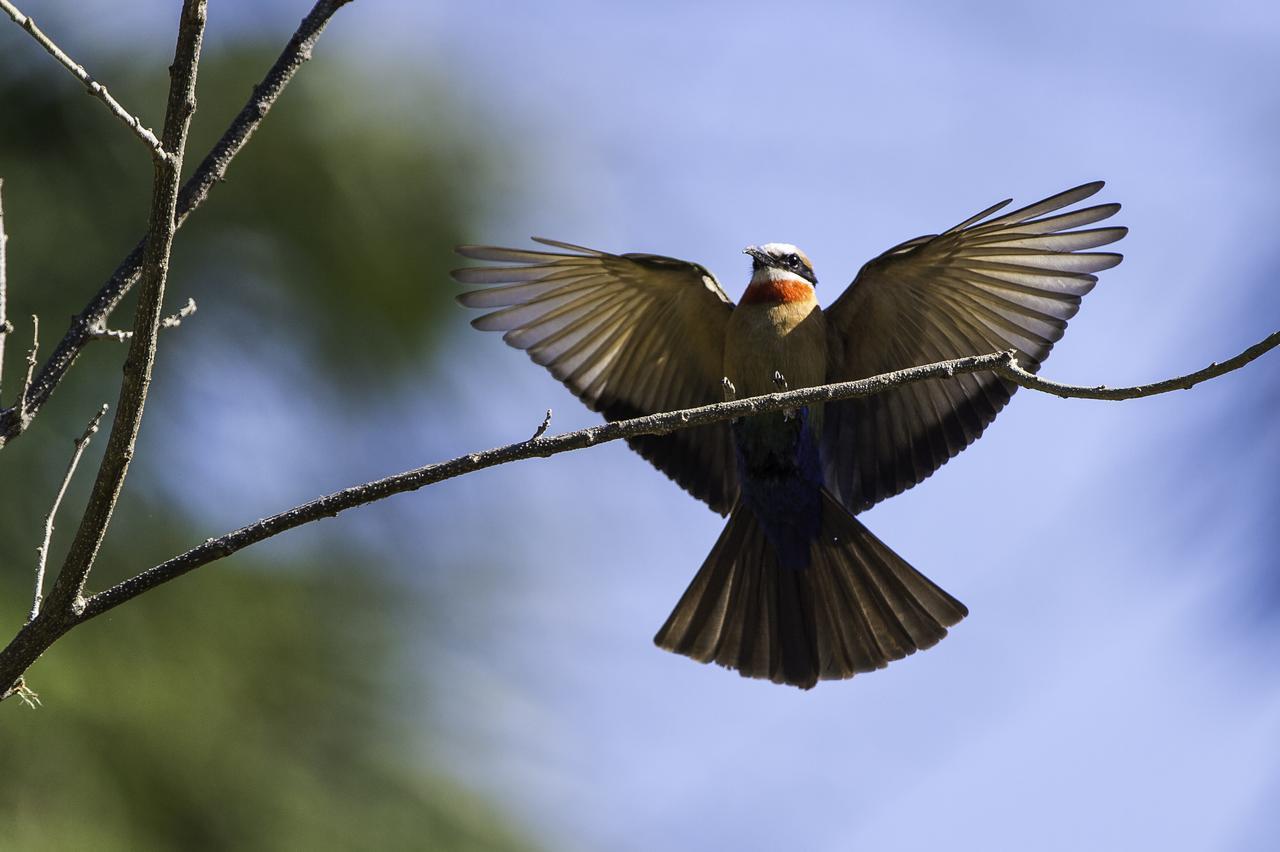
(780, 248)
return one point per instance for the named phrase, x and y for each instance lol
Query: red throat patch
(777, 292)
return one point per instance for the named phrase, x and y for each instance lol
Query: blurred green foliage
(240, 710)
(256, 704)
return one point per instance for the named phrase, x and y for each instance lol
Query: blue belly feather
(780, 471)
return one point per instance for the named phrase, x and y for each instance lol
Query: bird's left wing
(986, 285)
(629, 334)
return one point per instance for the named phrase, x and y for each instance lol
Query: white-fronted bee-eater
(796, 589)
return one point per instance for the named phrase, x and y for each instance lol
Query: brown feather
(629, 334)
(1010, 282)
(857, 606)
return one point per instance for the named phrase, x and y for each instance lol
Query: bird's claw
(780, 381)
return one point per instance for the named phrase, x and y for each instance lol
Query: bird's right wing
(629, 334)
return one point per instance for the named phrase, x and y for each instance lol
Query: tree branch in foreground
(34, 638)
(194, 193)
(146, 324)
(94, 88)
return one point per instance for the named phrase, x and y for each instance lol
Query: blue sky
(1115, 685)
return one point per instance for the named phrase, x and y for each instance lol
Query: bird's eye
(793, 260)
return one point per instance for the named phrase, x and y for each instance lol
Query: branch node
(26, 694)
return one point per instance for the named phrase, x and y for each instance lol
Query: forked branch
(146, 325)
(194, 193)
(42, 552)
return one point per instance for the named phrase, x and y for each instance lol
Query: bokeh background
(471, 667)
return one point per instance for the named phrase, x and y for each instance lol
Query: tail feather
(855, 608)
(744, 603)
(702, 620)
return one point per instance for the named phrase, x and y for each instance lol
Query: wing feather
(629, 334)
(987, 284)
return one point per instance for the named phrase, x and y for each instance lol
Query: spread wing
(629, 334)
(987, 284)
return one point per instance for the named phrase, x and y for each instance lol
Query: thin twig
(195, 191)
(23, 417)
(543, 426)
(1015, 373)
(172, 321)
(6, 328)
(175, 319)
(94, 88)
(146, 324)
(42, 552)
(1002, 363)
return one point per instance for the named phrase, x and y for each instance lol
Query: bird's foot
(780, 382)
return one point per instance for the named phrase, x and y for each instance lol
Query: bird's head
(779, 262)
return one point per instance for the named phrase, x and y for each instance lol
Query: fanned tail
(855, 608)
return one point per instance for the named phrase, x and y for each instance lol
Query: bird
(796, 589)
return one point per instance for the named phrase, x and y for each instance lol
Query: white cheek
(773, 275)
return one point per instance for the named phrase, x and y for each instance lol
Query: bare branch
(194, 193)
(94, 88)
(172, 321)
(42, 552)
(1002, 363)
(146, 325)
